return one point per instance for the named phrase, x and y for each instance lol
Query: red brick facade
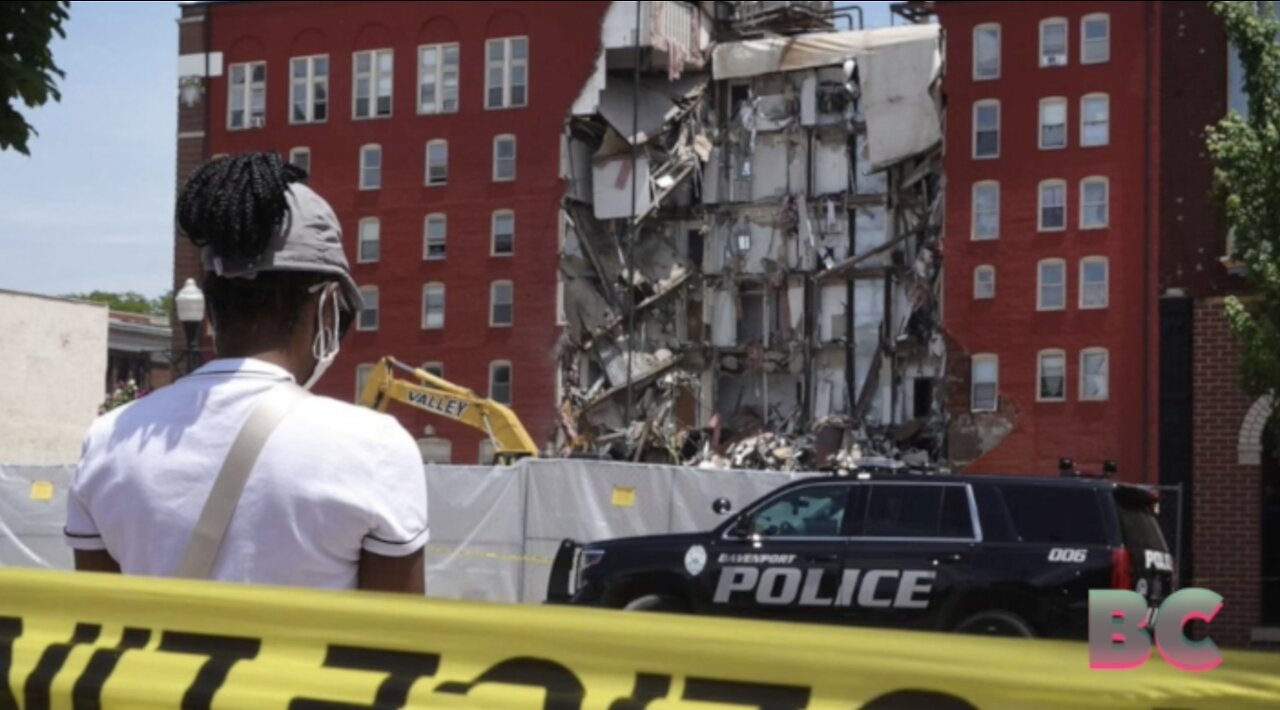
(1167, 79)
(1027, 434)
(1227, 546)
(562, 41)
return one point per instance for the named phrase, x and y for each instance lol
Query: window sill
(1234, 268)
(1052, 230)
(502, 256)
(1265, 634)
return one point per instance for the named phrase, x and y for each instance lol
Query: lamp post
(190, 305)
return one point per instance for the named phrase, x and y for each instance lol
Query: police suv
(998, 555)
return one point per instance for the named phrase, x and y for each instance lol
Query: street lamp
(190, 304)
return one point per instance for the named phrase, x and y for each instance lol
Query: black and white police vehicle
(998, 555)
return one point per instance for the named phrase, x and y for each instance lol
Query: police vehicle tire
(996, 623)
(657, 602)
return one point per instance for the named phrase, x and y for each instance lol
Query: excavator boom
(443, 398)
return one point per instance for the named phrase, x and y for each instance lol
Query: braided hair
(233, 205)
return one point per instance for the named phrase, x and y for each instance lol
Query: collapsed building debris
(752, 258)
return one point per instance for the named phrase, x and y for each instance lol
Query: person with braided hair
(336, 497)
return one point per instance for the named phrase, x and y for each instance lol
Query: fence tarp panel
(494, 530)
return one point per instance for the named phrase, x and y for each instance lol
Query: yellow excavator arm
(443, 398)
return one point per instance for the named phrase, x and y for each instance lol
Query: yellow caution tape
(71, 640)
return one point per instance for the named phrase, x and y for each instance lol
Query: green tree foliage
(129, 302)
(1246, 155)
(27, 70)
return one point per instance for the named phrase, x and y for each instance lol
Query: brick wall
(1225, 509)
(191, 152)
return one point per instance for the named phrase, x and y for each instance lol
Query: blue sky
(92, 208)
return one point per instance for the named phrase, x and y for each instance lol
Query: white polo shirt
(332, 480)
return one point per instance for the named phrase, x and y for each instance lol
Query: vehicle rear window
(1139, 525)
(1055, 514)
(917, 511)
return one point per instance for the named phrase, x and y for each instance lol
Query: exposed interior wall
(779, 283)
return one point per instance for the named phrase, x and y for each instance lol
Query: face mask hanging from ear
(325, 347)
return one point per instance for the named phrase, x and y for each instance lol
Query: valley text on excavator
(432, 394)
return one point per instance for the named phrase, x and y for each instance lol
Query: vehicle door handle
(823, 558)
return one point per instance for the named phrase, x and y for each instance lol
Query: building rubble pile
(751, 256)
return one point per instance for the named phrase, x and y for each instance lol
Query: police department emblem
(695, 560)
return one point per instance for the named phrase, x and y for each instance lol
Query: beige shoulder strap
(202, 550)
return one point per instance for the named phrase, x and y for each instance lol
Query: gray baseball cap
(309, 239)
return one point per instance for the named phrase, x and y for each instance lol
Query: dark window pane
(812, 511)
(955, 520)
(903, 511)
(1044, 514)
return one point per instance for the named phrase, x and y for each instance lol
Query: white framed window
(1095, 38)
(1053, 123)
(1094, 282)
(301, 157)
(984, 282)
(438, 78)
(1053, 42)
(986, 129)
(500, 382)
(362, 378)
(368, 319)
(1094, 210)
(247, 95)
(1095, 120)
(506, 83)
(309, 89)
(1094, 374)
(1051, 285)
(986, 211)
(1051, 376)
(501, 304)
(372, 83)
(433, 306)
(984, 383)
(1053, 206)
(504, 158)
(437, 162)
(986, 52)
(504, 233)
(434, 367)
(370, 240)
(434, 234)
(370, 167)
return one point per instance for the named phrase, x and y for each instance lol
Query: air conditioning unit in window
(1055, 60)
(257, 121)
